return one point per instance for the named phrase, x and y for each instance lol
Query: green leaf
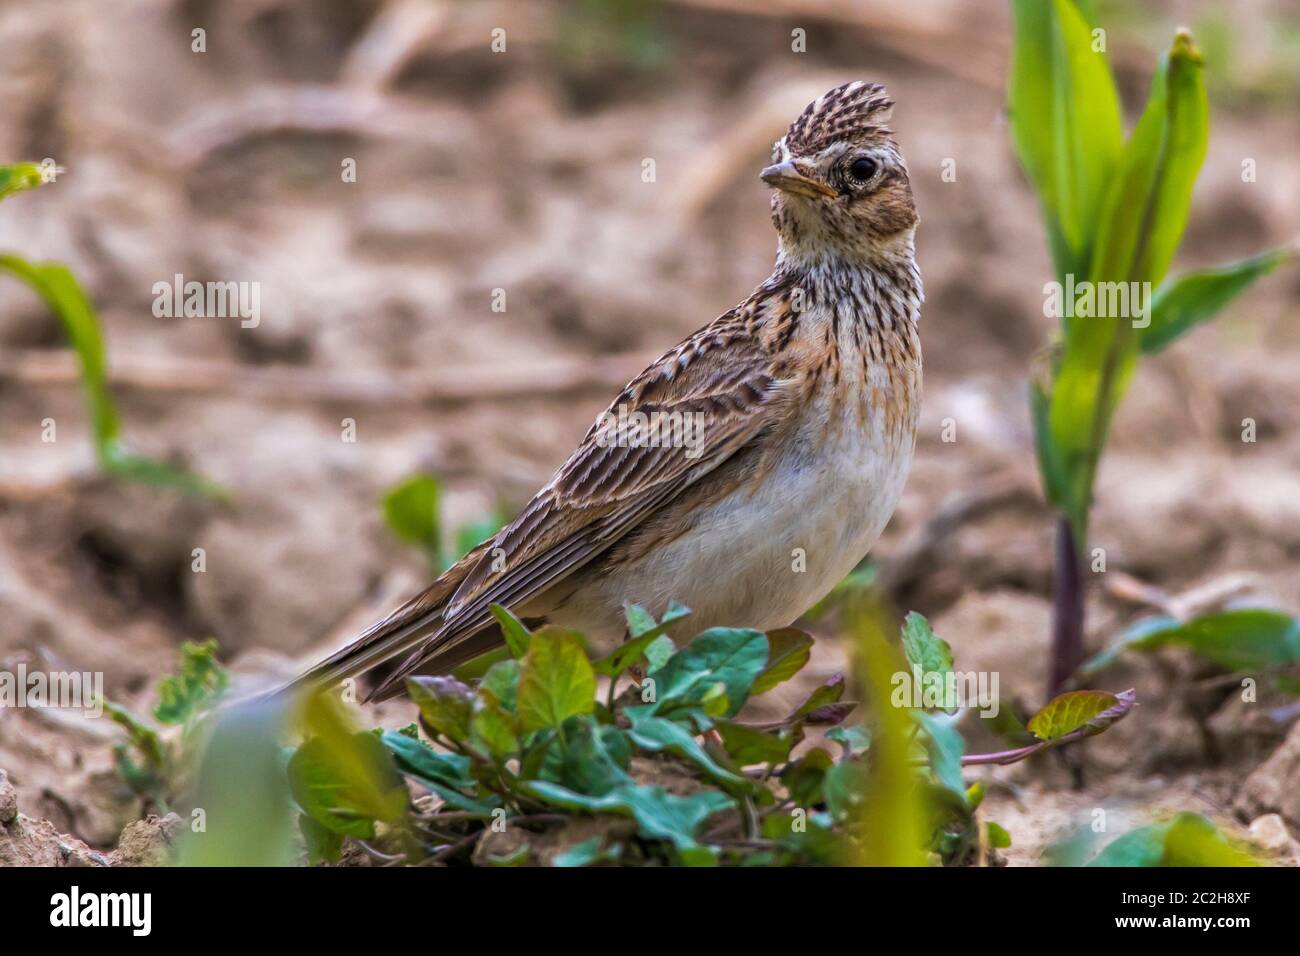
(789, 650)
(502, 679)
(1246, 639)
(748, 746)
(1189, 839)
(411, 509)
(945, 748)
(426, 764)
(999, 838)
(322, 845)
(1091, 710)
(344, 780)
(843, 789)
(586, 853)
(657, 733)
(513, 630)
(63, 294)
(853, 739)
(659, 815)
(825, 695)
(557, 680)
(1150, 195)
(445, 705)
(492, 727)
(1185, 302)
(594, 757)
(18, 177)
(200, 682)
(1142, 221)
(727, 657)
(639, 620)
(658, 653)
(645, 634)
(923, 649)
(1065, 122)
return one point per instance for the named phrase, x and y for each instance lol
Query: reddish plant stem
(1067, 610)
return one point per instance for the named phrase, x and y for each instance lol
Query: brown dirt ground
(522, 171)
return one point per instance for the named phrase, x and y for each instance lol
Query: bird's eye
(863, 168)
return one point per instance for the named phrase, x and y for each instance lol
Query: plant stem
(1067, 609)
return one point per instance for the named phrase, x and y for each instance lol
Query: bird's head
(840, 187)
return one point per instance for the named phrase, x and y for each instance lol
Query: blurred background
(546, 196)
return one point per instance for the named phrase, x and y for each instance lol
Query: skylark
(747, 470)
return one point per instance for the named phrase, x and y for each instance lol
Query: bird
(748, 469)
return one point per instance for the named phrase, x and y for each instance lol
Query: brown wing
(722, 377)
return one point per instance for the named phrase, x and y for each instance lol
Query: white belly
(765, 554)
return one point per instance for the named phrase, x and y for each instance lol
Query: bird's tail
(395, 635)
(415, 622)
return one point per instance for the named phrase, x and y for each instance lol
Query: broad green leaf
(657, 733)
(789, 650)
(1246, 639)
(748, 746)
(729, 657)
(1185, 302)
(445, 774)
(945, 746)
(411, 509)
(19, 176)
(423, 762)
(593, 757)
(343, 779)
(56, 284)
(502, 679)
(557, 681)
(1090, 710)
(639, 620)
(923, 648)
(1189, 839)
(658, 653)
(492, 727)
(200, 682)
(645, 633)
(513, 630)
(659, 815)
(445, 705)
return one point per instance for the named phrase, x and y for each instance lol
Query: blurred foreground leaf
(242, 792)
(1189, 839)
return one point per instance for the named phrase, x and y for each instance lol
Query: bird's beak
(785, 177)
